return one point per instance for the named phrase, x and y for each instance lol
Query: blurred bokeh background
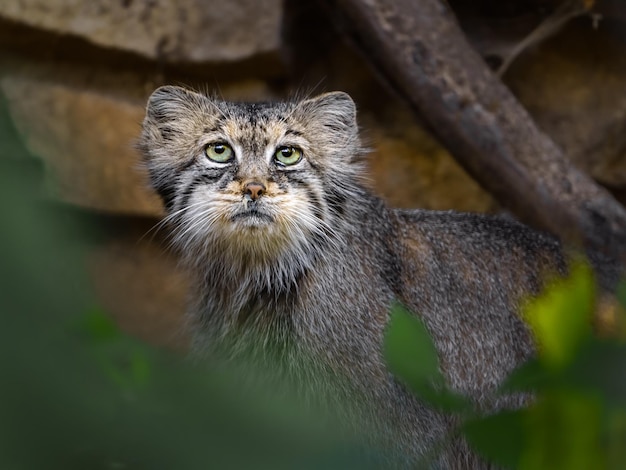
(76, 76)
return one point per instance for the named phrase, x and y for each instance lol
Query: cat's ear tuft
(336, 110)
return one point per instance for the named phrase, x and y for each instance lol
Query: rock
(86, 140)
(412, 170)
(175, 31)
(139, 284)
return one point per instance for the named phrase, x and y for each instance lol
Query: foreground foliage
(578, 417)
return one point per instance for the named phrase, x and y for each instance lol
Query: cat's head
(258, 177)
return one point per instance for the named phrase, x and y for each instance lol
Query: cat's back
(475, 244)
(466, 275)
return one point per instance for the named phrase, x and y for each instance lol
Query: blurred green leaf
(409, 349)
(411, 355)
(499, 438)
(600, 368)
(621, 293)
(616, 440)
(140, 367)
(563, 431)
(530, 376)
(561, 317)
(444, 399)
(99, 326)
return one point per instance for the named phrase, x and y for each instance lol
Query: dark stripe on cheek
(187, 192)
(314, 199)
(336, 201)
(198, 180)
(227, 177)
(316, 203)
(167, 192)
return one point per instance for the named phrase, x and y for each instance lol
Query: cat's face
(263, 178)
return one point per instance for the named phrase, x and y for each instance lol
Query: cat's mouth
(252, 216)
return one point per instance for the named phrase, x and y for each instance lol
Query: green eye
(219, 152)
(288, 155)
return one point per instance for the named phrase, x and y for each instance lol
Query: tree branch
(565, 12)
(419, 48)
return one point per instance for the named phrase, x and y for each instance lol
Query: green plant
(577, 418)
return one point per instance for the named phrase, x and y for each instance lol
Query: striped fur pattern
(314, 264)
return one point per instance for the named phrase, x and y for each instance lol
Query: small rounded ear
(335, 110)
(168, 102)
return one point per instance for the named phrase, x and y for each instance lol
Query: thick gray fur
(318, 272)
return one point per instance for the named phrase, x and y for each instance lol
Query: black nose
(254, 189)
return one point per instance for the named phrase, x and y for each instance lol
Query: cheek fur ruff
(269, 254)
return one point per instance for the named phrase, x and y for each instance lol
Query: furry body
(314, 263)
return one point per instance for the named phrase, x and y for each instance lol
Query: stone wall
(77, 74)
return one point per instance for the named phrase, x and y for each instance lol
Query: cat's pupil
(286, 152)
(219, 149)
